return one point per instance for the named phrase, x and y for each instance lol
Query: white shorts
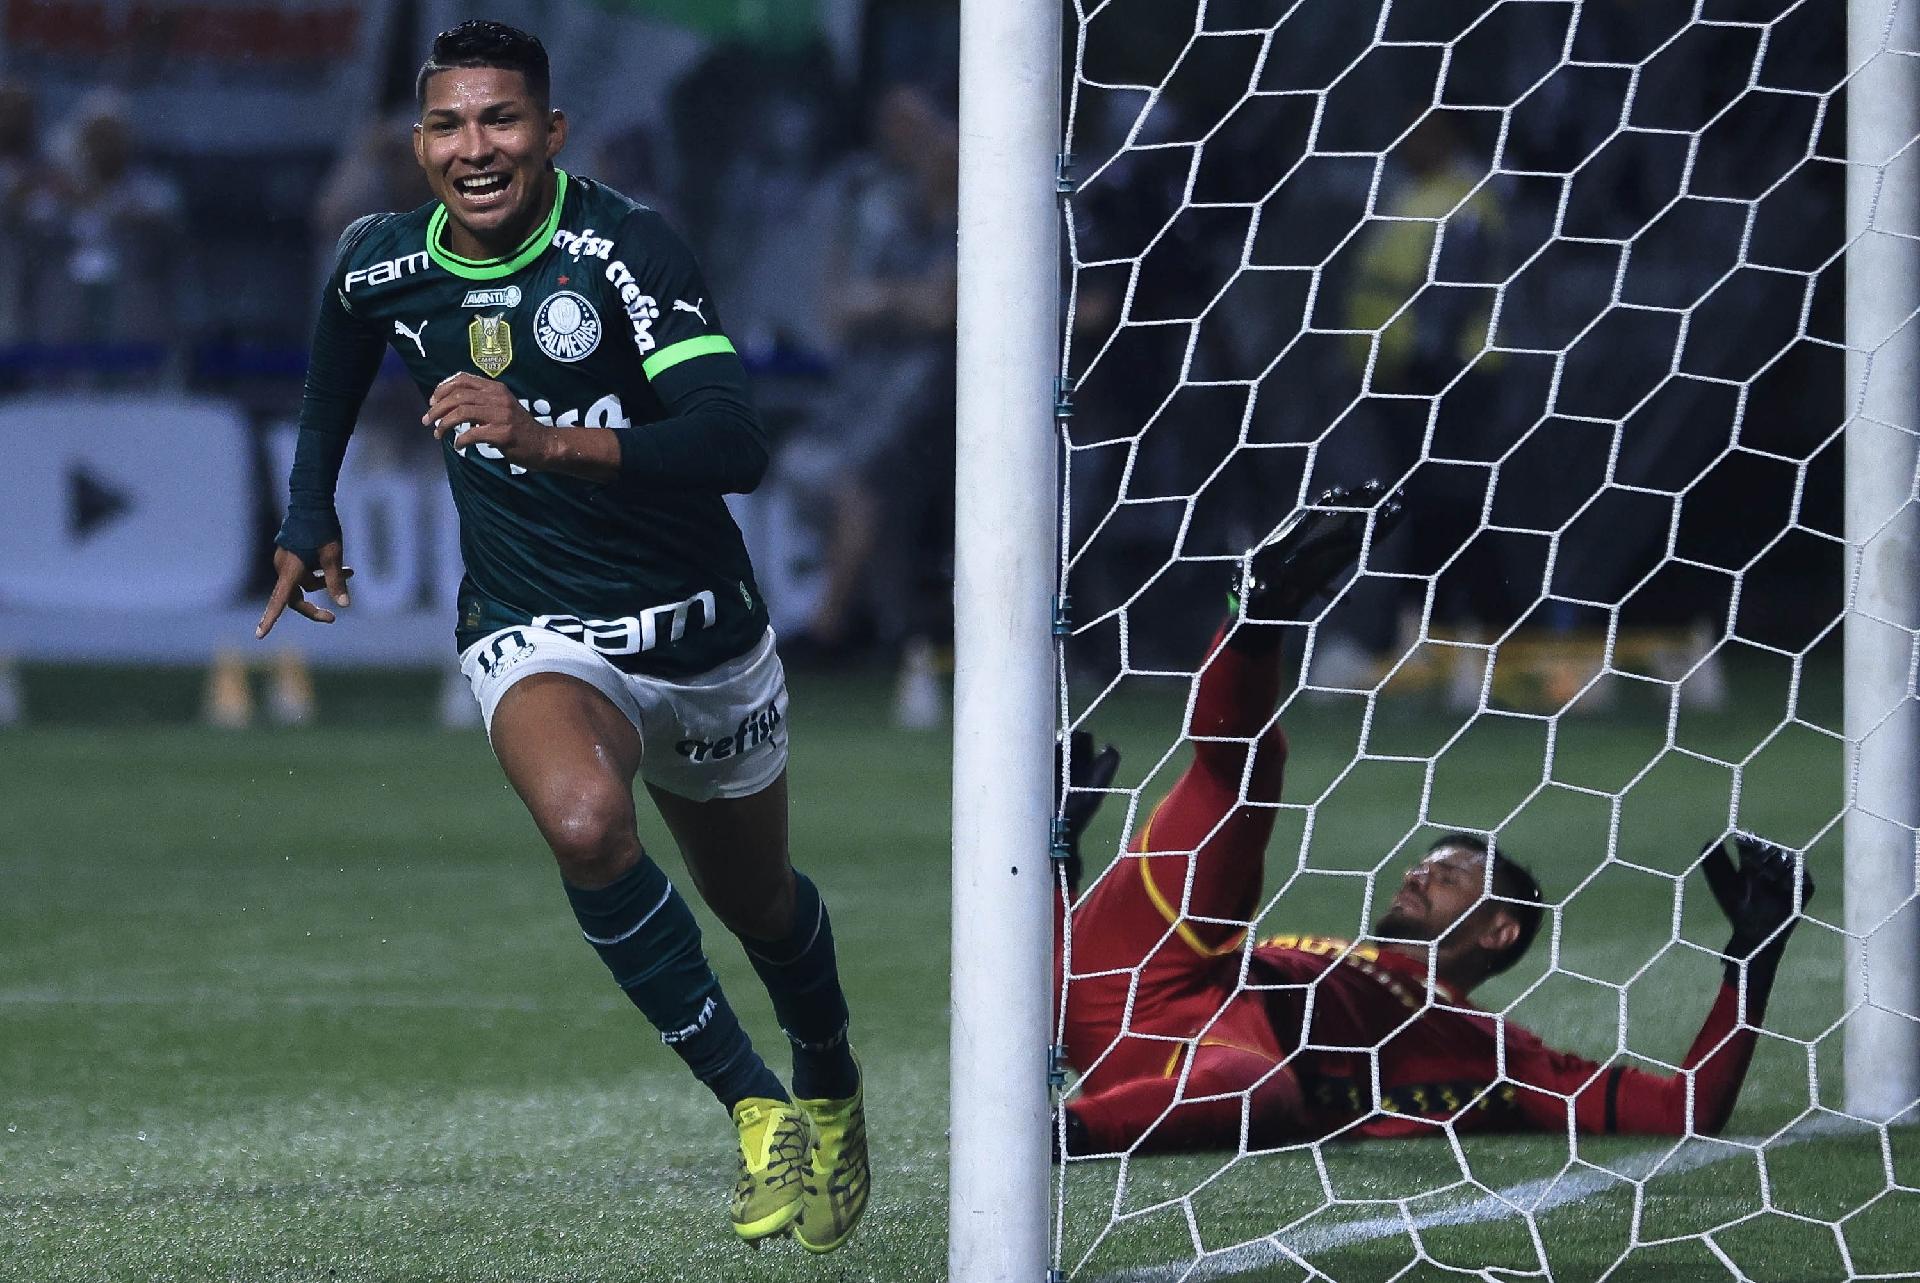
(720, 734)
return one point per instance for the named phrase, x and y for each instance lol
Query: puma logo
(418, 342)
(681, 305)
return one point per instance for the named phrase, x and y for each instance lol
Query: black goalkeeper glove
(1091, 773)
(1764, 897)
(1312, 548)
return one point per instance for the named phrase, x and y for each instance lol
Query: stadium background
(281, 1004)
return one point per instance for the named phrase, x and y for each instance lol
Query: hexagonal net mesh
(1613, 299)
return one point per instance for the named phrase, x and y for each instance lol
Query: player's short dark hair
(479, 42)
(1517, 891)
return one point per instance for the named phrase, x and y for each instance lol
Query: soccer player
(591, 414)
(1180, 1048)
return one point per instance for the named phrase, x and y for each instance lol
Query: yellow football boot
(838, 1178)
(773, 1161)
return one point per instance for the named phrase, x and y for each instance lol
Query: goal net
(1619, 295)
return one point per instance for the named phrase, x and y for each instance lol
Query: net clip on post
(1056, 1066)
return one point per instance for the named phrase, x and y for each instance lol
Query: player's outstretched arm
(1763, 889)
(345, 356)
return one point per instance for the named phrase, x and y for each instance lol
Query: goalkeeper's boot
(774, 1137)
(1311, 549)
(839, 1177)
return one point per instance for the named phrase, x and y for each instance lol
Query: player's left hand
(1763, 896)
(482, 411)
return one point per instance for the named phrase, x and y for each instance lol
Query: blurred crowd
(89, 234)
(1636, 237)
(1569, 272)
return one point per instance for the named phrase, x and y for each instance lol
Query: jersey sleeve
(341, 365)
(712, 438)
(1622, 1099)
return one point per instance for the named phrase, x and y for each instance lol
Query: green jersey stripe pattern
(685, 350)
(491, 269)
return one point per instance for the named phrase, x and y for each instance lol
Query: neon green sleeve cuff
(685, 350)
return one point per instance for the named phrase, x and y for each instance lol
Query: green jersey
(600, 319)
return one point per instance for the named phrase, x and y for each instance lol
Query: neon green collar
(491, 269)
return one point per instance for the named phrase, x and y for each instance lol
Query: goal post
(1883, 534)
(1004, 575)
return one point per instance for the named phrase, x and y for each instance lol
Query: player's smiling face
(487, 147)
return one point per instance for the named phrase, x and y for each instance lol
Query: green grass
(308, 1004)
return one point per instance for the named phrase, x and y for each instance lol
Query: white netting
(1574, 274)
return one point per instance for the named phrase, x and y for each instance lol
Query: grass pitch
(309, 1005)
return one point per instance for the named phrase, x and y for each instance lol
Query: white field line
(1527, 1199)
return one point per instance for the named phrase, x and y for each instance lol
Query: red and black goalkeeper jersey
(1185, 1040)
(1441, 1057)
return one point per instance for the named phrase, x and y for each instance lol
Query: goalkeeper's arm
(1763, 897)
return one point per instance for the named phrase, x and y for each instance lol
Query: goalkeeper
(1188, 1037)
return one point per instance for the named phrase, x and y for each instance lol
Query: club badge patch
(566, 327)
(490, 343)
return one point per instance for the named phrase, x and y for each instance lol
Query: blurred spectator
(1431, 392)
(1427, 332)
(24, 174)
(878, 453)
(114, 229)
(634, 161)
(375, 174)
(775, 231)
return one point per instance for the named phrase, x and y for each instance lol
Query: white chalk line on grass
(1529, 1198)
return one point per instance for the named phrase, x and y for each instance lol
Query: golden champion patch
(491, 344)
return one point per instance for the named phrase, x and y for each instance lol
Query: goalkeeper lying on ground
(1178, 1050)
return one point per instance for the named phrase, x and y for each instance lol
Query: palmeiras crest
(491, 344)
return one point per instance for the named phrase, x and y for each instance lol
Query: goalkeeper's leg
(1233, 1098)
(1203, 850)
(1155, 941)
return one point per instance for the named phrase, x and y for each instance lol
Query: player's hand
(481, 411)
(1315, 545)
(293, 580)
(1090, 774)
(1763, 895)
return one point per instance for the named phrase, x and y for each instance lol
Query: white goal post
(1883, 532)
(1007, 560)
(1004, 572)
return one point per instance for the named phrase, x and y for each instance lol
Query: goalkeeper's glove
(1312, 548)
(1764, 897)
(1090, 774)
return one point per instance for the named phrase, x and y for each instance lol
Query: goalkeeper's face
(1444, 896)
(487, 145)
